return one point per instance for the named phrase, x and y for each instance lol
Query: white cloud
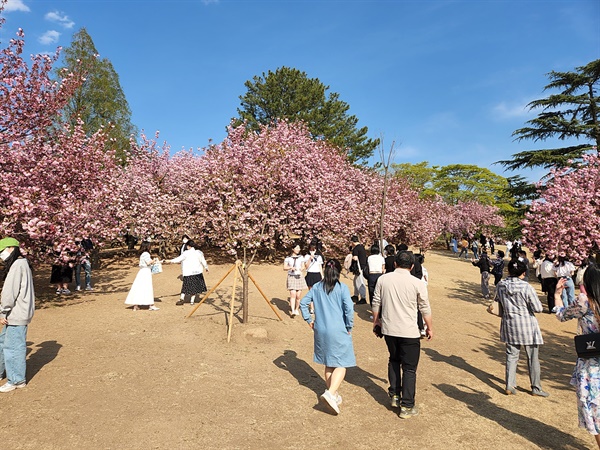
(512, 110)
(16, 5)
(60, 18)
(49, 37)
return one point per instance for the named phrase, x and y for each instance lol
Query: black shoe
(179, 303)
(362, 301)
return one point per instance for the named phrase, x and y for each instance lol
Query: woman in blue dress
(586, 376)
(332, 326)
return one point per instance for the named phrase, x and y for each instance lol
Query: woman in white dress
(142, 292)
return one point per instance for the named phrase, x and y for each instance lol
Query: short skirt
(295, 282)
(313, 278)
(193, 284)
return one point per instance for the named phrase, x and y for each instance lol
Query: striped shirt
(519, 302)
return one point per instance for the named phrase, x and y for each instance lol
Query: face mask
(5, 254)
(185, 240)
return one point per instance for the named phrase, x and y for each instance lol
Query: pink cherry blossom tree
(567, 216)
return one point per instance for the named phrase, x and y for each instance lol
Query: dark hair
(354, 238)
(404, 259)
(312, 246)
(537, 254)
(523, 253)
(16, 253)
(145, 246)
(331, 276)
(402, 247)
(190, 243)
(500, 253)
(516, 268)
(591, 281)
(420, 257)
(389, 249)
(375, 250)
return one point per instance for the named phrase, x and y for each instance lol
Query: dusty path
(102, 376)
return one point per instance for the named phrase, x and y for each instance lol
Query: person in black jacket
(484, 268)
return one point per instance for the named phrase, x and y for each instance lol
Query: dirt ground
(101, 376)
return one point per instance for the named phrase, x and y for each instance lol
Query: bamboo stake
(230, 327)
(264, 296)
(210, 292)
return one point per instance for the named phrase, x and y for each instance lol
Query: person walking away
(83, 261)
(294, 265)
(519, 327)
(398, 296)
(586, 375)
(142, 291)
(454, 245)
(359, 254)
(549, 280)
(376, 264)
(475, 248)
(390, 257)
(565, 269)
(17, 306)
(484, 269)
(193, 265)
(464, 248)
(525, 260)
(332, 326)
(498, 267)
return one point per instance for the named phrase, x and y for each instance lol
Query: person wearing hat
(17, 305)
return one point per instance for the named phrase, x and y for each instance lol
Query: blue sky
(447, 81)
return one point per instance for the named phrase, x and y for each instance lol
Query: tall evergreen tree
(289, 94)
(100, 101)
(573, 112)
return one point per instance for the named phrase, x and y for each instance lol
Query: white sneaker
(66, 291)
(330, 402)
(87, 288)
(153, 308)
(11, 387)
(78, 288)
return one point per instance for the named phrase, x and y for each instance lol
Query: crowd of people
(394, 282)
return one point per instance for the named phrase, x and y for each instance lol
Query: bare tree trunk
(385, 162)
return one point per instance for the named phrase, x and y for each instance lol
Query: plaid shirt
(519, 301)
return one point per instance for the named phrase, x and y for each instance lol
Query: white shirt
(296, 263)
(192, 262)
(315, 265)
(564, 270)
(547, 269)
(375, 263)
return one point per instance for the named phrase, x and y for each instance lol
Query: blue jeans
(13, 349)
(87, 266)
(568, 293)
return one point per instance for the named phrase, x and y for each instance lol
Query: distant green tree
(419, 176)
(100, 101)
(289, 94)
(573, 112)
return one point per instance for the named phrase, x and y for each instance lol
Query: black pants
(404, 354)
(372, 282)
(549, 287)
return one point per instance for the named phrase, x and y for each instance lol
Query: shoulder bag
(587, 345)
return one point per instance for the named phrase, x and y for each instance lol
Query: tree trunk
(245, 281)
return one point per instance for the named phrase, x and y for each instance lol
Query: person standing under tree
(192, 265)
(17, 307)
(84, 261)
(294, 265)
(142, 291)
(359, 254)
(332, 326)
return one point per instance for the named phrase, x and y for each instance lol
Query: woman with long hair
(332, 326)
(192, 265)
(17, 308)
(142, 291)
(586, 376)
